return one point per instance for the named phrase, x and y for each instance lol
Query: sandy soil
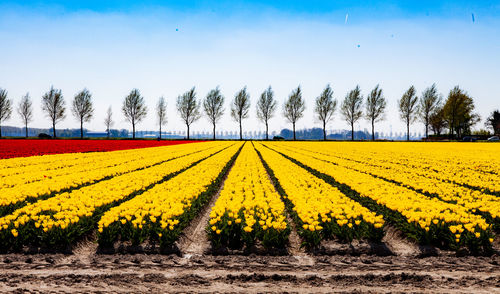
(85, 271)
(395, 265)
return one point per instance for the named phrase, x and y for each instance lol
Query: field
(250, 216)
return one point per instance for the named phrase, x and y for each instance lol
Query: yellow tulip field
(441, 194)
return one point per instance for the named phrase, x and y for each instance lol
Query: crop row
(15, 148)
(163, 211)
(248, 207)
(61, 219)
(428, 220)
(413, 178)
(466, 171)
(319, 209)
(95, 168)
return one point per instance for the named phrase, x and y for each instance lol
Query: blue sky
(164, 48)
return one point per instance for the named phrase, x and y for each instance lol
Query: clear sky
(165, 48)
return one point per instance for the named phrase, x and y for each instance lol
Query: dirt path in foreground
(194, 239)
(247, 274)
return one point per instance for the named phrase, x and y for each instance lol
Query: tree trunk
(214, 131)
(408, 131)
(373, 130)
(133, 131)
(188, 131)
(81, 129)
(324, 130)
(26, 130)
(352, 131)
(0, 131)
(427, 131)
(241, 134)
(293, 131)
(54, 129)
(267, 130)
(160, 130)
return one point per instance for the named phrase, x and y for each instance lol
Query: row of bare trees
(456, 114)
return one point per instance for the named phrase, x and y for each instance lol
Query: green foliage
(493, 122)
(458, 112)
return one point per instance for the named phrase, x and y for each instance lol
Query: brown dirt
(340, 268)
(89, 272)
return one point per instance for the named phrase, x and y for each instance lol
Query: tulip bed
(427, 219)
(64, 217)
(432, 183)
(443, 194)
(31, 180)
(319, 209)
(163, 211)
(10, 148)
(248, 208)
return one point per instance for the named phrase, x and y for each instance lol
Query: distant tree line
(455, 114)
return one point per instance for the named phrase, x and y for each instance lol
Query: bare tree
(134, 109)
(214, 107)
(375, 107)
(5, 108)
(54, 106)
(351, 108)
(266, 107)
(240, 107)
(428, 103)
(161, 112)
(108, 121)
(408, 109)
(325, 107)
(82, 108)
(294, 107)
(188, 108)
(25, 110)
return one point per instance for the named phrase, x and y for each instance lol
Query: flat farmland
(254, 216)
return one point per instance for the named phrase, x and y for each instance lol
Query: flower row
(20, 147)
(414, 178)
(432, 220)
(66, 216)
(35, 181)
(248, 207)
(162, 211)
(321, 210)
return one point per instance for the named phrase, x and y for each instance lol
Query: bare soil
(89, 272)
(393, 266)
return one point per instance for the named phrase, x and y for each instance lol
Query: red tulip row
(29, 147)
